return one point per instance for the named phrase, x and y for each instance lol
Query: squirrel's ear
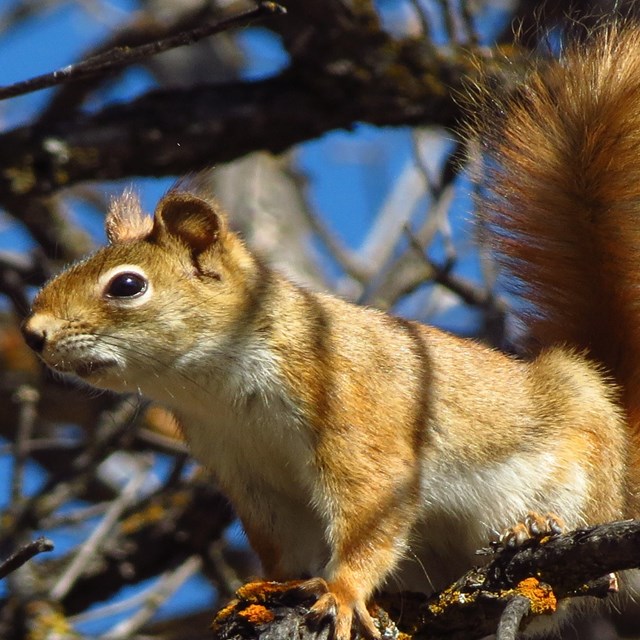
(193, 220)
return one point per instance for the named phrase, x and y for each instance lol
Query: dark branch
(511, 617)
(538, 573)
(467, 292)
(174, 132)
(24, 554)
(120, 57)
(162, 530)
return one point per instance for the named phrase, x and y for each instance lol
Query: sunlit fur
(561, 205)
(125, 220)
(353, 444)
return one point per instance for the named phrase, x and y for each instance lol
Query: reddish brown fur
(563, 205)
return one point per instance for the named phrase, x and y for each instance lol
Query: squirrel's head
(164, 289)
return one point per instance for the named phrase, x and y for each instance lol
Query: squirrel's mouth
(91, 367)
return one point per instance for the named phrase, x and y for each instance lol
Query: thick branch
(173, 132)
(541, 571)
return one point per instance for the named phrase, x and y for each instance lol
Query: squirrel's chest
(256, 441)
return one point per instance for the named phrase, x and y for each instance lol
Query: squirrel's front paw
(334, 606)
(535, 525)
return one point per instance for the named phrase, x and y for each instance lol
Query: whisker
(145, 357)
(419, 562)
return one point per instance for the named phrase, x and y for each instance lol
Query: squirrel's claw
(366, 625)
(329, 609)
(535, 525)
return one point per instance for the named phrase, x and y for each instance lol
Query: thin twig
(405, 273)
(422, 17)
(31, 267)
(53, 444)
(12, 286)
(165, 587)
(396, 211)
(24, 554)
(511, 617)
(28, 398)
(113, 608)
(227, 578)
(179, 465)
(347, 259)
(119, 57)
(449, 21)
(459, 21)
(20, 12)
(438, 191)
(467, 22)
(75, 517)
(58, 489)
(469, 293)
(88, 550)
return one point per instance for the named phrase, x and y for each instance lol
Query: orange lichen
(154, 512)
(262, 590)
(47, 620)
(540, 595)
(250, 601)
(135, 522)
(450, 597)
(257, 614)
(224, 613)
(249, 605)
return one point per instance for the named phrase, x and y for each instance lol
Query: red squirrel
(355, 445)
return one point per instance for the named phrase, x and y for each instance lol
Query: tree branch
(24, 554)
(540, 572)
(120, 57)
(173, 132)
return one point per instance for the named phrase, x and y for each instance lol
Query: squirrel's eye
(126, 285)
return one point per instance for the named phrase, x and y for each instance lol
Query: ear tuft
(190, 218)
(125, 220)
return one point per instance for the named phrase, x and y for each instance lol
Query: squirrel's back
(560, 202)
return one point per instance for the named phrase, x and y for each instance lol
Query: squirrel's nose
(35, 337)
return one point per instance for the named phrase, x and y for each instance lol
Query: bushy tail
(561, 202)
